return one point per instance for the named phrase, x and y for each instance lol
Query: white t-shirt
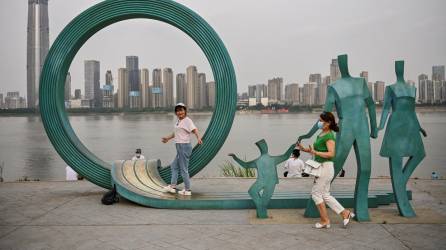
(183, 128)
(294, 167)
(141, 157)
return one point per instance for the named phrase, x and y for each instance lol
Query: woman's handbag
(312, 167)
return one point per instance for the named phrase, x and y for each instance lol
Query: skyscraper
(107, 91)
(146, 95)
(123, 89)
(36, 48)
(365, 75)
(68, 87)
(210, 89)
(316, 78)
(309, 94)
(1, 101)
(77, 94)
(108, 78)
(202, 98)
(379, 91)
(422, 88)
(275, 89)
(168, 87)
(92, 84)
(157, 89)
(292, 93)
(321, 93)
(181, 87)
(251, 91)
(132, 66)
(191, 81)
(335, 73)
(438, 73)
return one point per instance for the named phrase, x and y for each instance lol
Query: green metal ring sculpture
(80, 29)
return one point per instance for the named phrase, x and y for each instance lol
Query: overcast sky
(265, 39)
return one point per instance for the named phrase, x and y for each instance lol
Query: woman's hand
(165, 139)
(312, 151)
(199, 141)
(301, 147)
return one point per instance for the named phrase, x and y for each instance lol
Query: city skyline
(326, 32)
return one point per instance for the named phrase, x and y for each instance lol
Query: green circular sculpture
(80, 29)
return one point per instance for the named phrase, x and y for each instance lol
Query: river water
(26, 150)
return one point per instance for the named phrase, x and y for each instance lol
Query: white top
(141, 157)
(183, 128)
(294, 167)
(71, 175)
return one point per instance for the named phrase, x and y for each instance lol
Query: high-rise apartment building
(252, 91)
(168, 87)
(365, 75)
(316, 78)
(321, 93)
(192, 82)
(77, 94)
(146, 95)
(36, 48)
(335, 73)
(123, 88)
(181, 87)
(68, 87)
(422, 88)
(157, 89)
(107, 91)
(438, 73)
(201, 92)
(275, 89)
(292, 93)
(210, 93)
(1, 101)
(309, 94)
(379, 91)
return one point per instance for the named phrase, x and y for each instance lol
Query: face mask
(137, 156)
(320, 124)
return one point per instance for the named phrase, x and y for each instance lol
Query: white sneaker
(185, 192)
(169, 189)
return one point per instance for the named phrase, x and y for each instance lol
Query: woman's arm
(331, 150)
(167, 138)
(195, 131)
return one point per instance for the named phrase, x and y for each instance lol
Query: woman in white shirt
(181, 135)
(294, 166)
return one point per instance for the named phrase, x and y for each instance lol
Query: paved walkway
(69, 215)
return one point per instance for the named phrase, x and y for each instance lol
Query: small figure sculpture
(402, 137)
(351, 97)
(262, 190)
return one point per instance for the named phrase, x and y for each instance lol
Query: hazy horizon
(265, 39)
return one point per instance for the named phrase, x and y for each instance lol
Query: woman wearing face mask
(323, 151)
(183, 129)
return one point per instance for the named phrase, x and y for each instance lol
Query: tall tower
(191, 82)
(36, 48)
(335, 73)
(168, 87)
(92, 84)
(181, 88)
(157, 89)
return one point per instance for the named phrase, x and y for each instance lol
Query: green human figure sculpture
(351, 96)
(402, 137)
(262, 190)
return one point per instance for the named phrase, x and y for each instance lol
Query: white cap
(180, 104)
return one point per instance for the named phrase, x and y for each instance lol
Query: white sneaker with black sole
(185, 192)
(169, 189)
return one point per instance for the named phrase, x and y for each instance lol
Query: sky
(265, 39)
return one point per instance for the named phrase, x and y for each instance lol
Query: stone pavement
(69, 215)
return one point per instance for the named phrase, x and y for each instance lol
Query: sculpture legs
(410, 166)
(399, 184)
(261, 195)
(363, 161)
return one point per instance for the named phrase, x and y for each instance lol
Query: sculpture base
(139, 182)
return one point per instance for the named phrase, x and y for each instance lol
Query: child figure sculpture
(262, 190)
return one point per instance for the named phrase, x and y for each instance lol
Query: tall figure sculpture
(351, 96)
(262, 190)
(402, 137)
